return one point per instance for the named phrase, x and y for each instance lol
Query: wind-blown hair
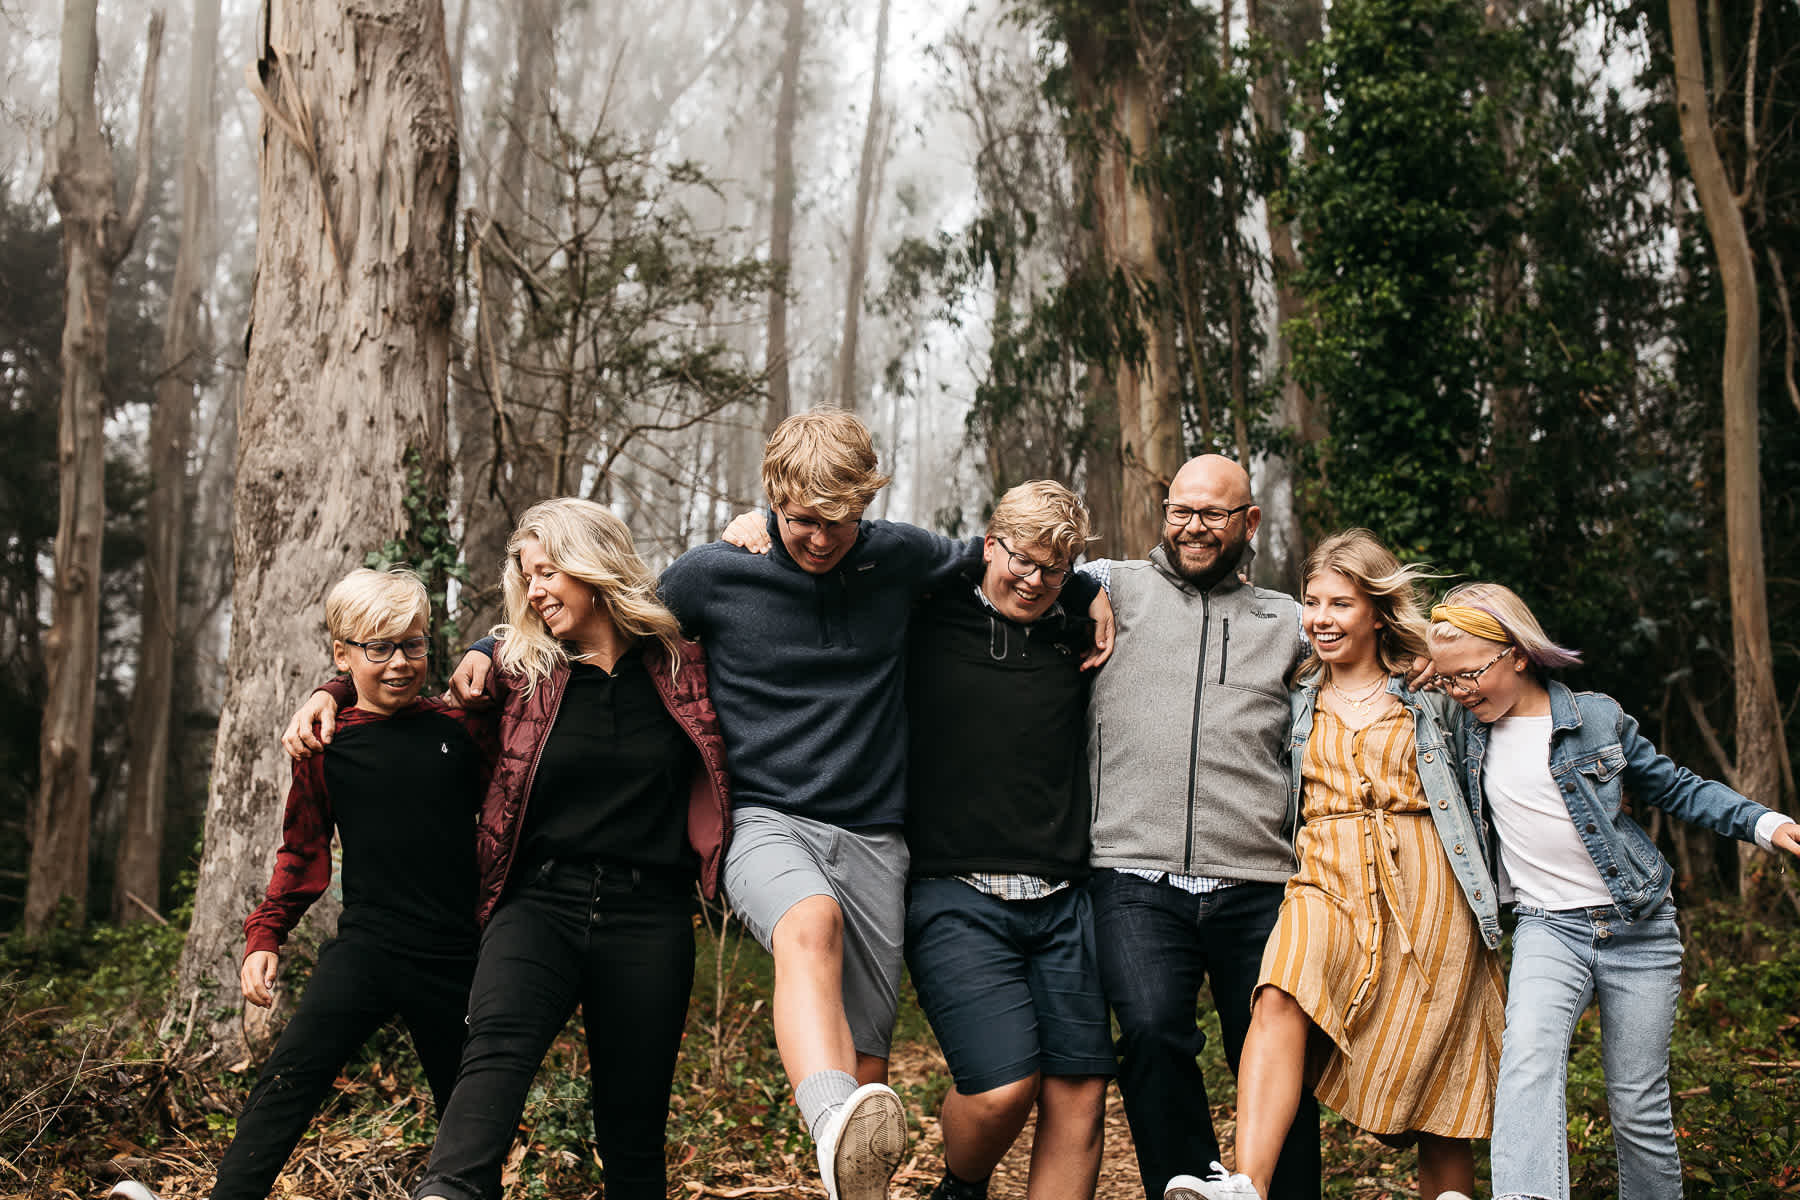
(1392, 587)
(367, 605)
(1040, 512)
(584, 540)
(1522, 629)
(822, 459)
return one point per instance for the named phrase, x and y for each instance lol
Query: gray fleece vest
(1187, 728)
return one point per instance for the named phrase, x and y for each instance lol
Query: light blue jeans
(1560, 961)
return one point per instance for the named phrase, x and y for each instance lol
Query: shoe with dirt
(130, 1189)
(861, 1147)
(1220, 1185)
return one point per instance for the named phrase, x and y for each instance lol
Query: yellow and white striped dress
(1378, 946)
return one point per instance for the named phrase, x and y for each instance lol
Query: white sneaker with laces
(861, 1146)
(1220, 1185)
(131, 1189)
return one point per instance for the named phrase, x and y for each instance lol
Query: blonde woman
(1551, 768)
(1380, 987)
(608, 801)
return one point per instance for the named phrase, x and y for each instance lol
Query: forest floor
(88, 1095)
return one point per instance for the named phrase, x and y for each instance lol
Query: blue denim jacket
(1457, 828)
(1597, 755)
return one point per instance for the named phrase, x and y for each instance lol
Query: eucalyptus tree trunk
(1760, 750)
(348, 352)
(874, 133)
(500, 411)
(1291, 27)
(781, 215)
(96, 237)
(1128, 208)
(137, 878)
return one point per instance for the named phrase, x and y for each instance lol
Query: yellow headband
(1471, 620)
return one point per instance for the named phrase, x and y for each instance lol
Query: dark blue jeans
(1157, 944)
(356, 987)
(619, 944)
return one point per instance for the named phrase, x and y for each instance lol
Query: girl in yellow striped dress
(1380, 987)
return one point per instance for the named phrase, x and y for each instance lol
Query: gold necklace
(1363, 700)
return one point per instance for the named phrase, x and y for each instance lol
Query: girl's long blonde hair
(584, 540)
(1391, 586)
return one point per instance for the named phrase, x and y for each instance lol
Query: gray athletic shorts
(778, 859)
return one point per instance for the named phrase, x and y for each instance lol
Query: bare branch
(1787, 319)
(1707, 735)
(118, 241)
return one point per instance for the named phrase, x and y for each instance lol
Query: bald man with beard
(1193, 826)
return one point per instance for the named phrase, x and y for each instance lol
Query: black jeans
(356, 986)
(621, 945)
(1157, 943)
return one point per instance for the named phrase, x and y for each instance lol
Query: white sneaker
(131, 1189)
(1454, 1196)
(862, 1145)
(1220, 1185)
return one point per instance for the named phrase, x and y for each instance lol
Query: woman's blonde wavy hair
(584, 540)
(1392, 587)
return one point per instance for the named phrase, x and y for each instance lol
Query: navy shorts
(1011, 987)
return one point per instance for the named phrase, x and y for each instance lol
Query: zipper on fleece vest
(1224, 647)
(1187, 852)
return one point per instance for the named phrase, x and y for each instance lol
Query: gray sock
(821, 1094)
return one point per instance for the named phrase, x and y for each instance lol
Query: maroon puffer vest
(525, 726)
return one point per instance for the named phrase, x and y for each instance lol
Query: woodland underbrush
(89, 1094)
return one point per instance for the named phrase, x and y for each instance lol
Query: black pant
(1157, 943)
(620, 945)
(356, 986)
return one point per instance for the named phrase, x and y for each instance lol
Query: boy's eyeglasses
(1464, 682)
(1023, 566)
(807, 526)
(381, 651)
(1214, 519)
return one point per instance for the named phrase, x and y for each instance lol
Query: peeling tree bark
(1760, 747)
(138, 873)
(348, 354)
(96, 239)
(1128, 211)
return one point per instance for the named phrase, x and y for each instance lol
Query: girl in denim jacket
(1550, 768)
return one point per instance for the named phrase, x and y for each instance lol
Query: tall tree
(1760, 751)
(96, 239)
(781, 214)
(1116, 63)
(137, 879)
(500, 447)
(348, 353)
(874, 134)
(1291, 28)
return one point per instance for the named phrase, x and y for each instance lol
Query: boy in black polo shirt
(401, 785)
(999, 931)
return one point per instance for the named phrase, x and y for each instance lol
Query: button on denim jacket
(1462, 836)
(1597, 758)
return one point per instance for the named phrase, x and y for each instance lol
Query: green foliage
(428, 546)
(1401, 198)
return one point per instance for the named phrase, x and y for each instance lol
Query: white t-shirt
(1540, 851)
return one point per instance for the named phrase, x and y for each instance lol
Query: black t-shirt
(405, 791)
(997, 771)
(612, 780)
